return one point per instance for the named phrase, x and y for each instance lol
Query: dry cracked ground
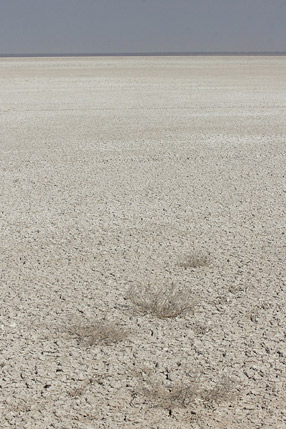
(142, 220)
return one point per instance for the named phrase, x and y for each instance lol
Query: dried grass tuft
(101, 333)
(182, 395)
(82, 387)
(195, 261)
(221, 392)
(164, 302)
(175, 396)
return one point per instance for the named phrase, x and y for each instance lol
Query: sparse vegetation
(195, 261)
(221, 392)
(100, 333)
(173, 396)
(162, 301)
(200, 329)
(180, 394)
(80, 389)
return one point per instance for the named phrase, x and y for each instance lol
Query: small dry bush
(223, 391)
(169, 397)
(101, 333)
(181, 395)
(164, 302)
(81, 388)
(195, 261)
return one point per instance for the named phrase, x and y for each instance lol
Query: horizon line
(148, 54)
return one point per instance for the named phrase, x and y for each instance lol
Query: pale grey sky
(114, 26)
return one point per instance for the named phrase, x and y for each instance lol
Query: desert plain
(123, 177)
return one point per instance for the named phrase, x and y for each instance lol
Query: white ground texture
(113, 172)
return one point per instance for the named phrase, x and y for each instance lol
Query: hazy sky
(113, 26)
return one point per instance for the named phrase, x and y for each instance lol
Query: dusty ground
(113, 172)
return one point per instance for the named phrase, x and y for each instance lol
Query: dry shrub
(101, 333)
(195, 261)
(81, 388)
(200, 329)
(169, 397)
(181, 395)
(164, 302)
(221, 392)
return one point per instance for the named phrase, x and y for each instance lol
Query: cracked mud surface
(130, 171)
